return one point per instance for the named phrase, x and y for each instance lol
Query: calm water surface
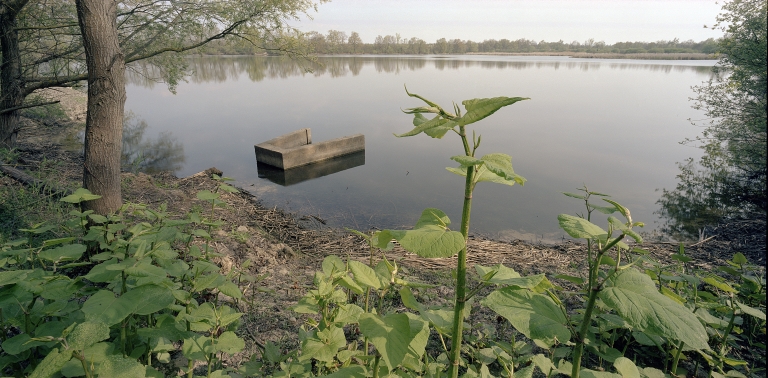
(613, 125)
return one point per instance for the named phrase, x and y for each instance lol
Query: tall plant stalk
(493, 167)
(461, 268)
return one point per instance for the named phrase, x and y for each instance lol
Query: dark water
(613, 125)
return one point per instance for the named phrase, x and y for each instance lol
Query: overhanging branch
(27, 106)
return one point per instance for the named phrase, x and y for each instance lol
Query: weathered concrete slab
(296, 149)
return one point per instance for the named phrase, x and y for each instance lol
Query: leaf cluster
(118, 296)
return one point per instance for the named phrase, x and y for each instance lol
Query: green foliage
(623, 304)
(23, 207)
(114, 297)
(429, 238)
(730, 179)
(636, 310)
(337, 42)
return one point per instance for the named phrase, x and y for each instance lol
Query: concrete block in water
(296, 149)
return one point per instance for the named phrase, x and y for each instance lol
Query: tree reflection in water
(139, 154)
(258, 68)
(146, 155)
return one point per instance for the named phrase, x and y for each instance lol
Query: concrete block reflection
(303, 173)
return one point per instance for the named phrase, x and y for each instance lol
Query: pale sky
(549, 20)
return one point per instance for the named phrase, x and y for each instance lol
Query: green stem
(579, 349)
(123, 287)
(85, 365)
(367, 309)
(149, 350)
(442, 340)
(123, 337)
(594, 290)
(461, 271)
(673, 370)
(729, 328)
(210, 363)
(376, 366)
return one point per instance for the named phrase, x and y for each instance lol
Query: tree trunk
(106, 100)
(11, 81)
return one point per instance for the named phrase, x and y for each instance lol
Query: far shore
(582, 55)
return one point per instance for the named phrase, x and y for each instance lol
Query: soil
(286, 249)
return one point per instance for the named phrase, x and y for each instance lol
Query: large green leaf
(636, 299)
(52, 363)
(354, 371)
(626, 368)
(534, 315)
(10, 277)
(196, 347)
(228, 342)
(87, 334)
(20, 343)
(116, 366)
(148, 299)
(751, 311)
(441, 319)
(467, 161)
(69, 252)
(502, 275)
(365, 275)
(430, 237)
(435, 127)
(501, 165)
(496, 168)
(333, 265)
(419, 336)
(324, 344)
(480, 108)
(104, 307)
(230, 289)
(580, 228)
(497, 272)
(588, 373)
(102, 273)
(80, 195)
(390, 334)
(348, 313)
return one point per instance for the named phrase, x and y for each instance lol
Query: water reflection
(557, 140)
(312, 171)
(257, 68)
(140, 153)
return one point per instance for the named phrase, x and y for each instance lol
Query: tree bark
(11, 79)
(106, 101)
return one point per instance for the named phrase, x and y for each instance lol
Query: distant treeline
(339, 42)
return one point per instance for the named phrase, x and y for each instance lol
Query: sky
(610, 21)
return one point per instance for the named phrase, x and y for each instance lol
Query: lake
(612, 125)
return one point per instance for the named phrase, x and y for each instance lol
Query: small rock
(242, 229)
(214, 171)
